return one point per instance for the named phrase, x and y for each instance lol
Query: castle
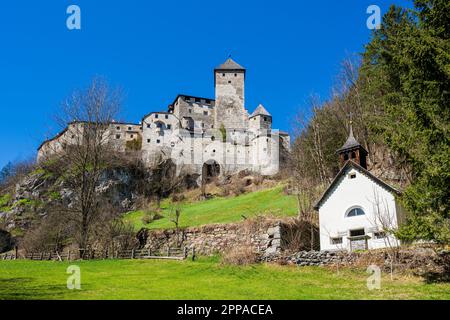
(200, 135)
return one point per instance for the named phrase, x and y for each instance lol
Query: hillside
(272, 201)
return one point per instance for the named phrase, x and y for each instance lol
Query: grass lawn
(224, 210)
(203, 279)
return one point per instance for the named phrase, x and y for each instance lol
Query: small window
(118, 128)
(337, 240)
(197, 100)
(131, 136)
(130, 128)
(354, 212)
(352, 175)
(148, 126)
(148, 140)
(345, 157)
(117, 136)
(223, 74)
(156, 116)
(205, 113)
(167, 116)
(190, 110)
(235, 74)
(265, 119)
(213, 138)
(172, 144)
(353, 155)
(229, 81)
(356, 233)
(158, 141)
(379, 235)
(187, 99)
(169, 126)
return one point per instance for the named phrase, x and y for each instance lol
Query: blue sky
(157, 49)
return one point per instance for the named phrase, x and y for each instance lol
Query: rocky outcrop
(35, 193)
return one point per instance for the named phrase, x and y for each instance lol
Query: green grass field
(224, 210)
(203, 279)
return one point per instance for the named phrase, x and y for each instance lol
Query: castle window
(167, 116)
(205, 113)
(148, 125)
(158, 141)
(156, 116)
(117, 136)
(197, 100)
(129, 128)
(190, 110)
(148, 140)
(187, 99)
(118, 128)
(337, 240)
(223, 74)
(235, 74)
(169, 126)
(132, 136)
(265, 119)
(213, 138)
(229, 81)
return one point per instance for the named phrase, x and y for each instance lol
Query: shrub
(240, 255)
(150, 216)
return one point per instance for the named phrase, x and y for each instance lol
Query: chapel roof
(342, 172)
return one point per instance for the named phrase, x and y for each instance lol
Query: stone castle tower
(229, 83)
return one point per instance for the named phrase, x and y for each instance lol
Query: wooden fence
(168, 254)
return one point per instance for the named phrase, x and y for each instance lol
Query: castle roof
(230, 64)
(351, 142)
(260, 111)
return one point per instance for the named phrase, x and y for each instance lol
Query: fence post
(168, 251)
(185, 252)
(42, 256)
(193, 254)
(132, 253)
(16, 249)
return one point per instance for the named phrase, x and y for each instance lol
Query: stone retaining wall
(264, 235)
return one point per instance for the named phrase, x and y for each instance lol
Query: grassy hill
(271, 201)
(203, 279)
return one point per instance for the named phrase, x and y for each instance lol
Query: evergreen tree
(406, 74)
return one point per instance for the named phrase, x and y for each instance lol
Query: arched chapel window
(355, 212)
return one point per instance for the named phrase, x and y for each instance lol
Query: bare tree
(84, 152)
(386, 225)
(163, 179)
(174, 216)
